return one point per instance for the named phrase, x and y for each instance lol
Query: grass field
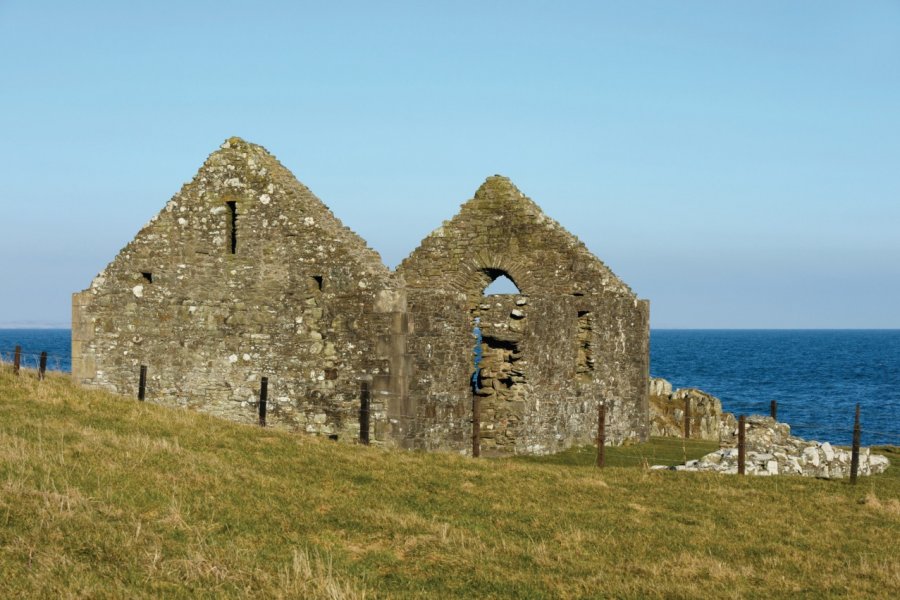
(106, 497)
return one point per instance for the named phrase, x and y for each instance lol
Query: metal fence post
(42, 369)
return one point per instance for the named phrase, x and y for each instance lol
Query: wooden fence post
(17, 360)
(142, 383)
(263, 397)
(42, 369)
(601, 435)
(773, 409)
(476, 426)
(742, 447)
(364, 412)
(687, 418)
(854, 457)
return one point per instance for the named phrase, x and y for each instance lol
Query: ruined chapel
(246, 274)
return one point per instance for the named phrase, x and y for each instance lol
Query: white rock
(772, 467)
(828, 451)
(811, 455)
(138, 291)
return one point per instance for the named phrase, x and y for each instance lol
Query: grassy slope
(107, 497)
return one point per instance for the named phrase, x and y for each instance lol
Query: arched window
(501, 284)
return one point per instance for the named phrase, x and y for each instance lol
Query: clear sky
(734, 162)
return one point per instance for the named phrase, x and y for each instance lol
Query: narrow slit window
(148, 276)
(584, 365)
(317, 282)
(232, 226)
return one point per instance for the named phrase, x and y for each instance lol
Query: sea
(817, 377)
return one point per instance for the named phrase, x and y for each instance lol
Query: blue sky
(734, 162)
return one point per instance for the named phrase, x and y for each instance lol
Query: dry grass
(105, 497)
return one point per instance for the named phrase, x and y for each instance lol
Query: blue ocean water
(817, 376)
(57, 343)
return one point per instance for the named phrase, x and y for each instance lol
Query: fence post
(42, 369)
(142, 383)
(364, 412)
(17, 360)
(773, 409)
(854, 457)
(601, 435)
(687, 418)
(476, 425)
(263, 396)
(742, 449)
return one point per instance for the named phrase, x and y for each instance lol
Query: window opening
(148, 276)
(317, 280)
(499, 321)
(584, 365)
(232, 226)
(501, 285)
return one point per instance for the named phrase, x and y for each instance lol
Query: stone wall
(707, 419)
(245, 274)
(288, 301)
(576, 335)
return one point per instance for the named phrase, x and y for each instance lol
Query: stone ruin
(667, 410)
(246, 274)
(770, 447)
(772, 450)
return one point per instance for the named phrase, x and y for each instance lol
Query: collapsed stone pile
(772, 450)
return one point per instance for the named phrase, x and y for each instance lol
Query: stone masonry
(667, 409)
(772, 450)
(245, 274)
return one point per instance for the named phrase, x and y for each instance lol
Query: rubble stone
(771, 450)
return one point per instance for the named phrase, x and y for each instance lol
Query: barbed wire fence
(636, 454)
(32, 360)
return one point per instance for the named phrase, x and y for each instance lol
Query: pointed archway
(501, 285)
